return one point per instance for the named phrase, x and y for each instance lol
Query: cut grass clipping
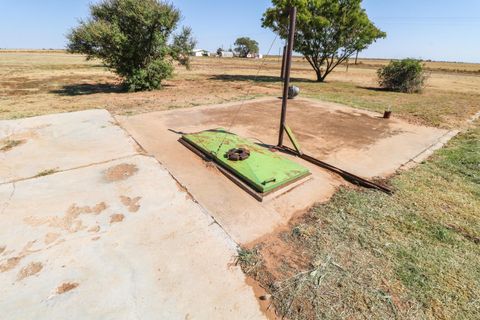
(7, 145)
(46, 172)
(414, 255)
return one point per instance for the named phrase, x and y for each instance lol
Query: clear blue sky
(428, 29)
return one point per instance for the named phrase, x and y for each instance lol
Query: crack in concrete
(75, 168)
(7, 203)
(202, 208)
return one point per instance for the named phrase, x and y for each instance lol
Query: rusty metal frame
(284, 128)
(350, 177)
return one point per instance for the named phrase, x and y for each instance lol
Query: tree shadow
(378, 89)
(238, 77)
(88, 88)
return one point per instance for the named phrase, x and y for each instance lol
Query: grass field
(413, 255)
(365, 255)
(34, 83)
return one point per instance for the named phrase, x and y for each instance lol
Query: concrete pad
(358, 141)
(60, 142)
(118, 240)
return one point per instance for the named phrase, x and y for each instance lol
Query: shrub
(405, 75)
(132, 38)
(149, 77)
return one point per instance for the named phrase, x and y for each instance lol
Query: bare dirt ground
(34, 83)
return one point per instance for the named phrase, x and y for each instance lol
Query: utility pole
(286, 80)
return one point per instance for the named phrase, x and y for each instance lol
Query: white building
(200, 53)
(226, 54)
(255, 55)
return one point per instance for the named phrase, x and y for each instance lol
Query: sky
(446, 30)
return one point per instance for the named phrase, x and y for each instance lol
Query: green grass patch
(413, 255)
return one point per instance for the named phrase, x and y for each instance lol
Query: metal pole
(288, 65)
(282, 74)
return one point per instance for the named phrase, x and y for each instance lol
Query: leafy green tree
(131, 37)
(182, 46)
(405, 75)
(328, 32)
(245, 46)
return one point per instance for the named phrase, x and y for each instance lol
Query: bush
(132, 38)
(150, 77)
(405, 75)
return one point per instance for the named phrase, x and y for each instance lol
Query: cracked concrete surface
(103, 238)
(60, 142)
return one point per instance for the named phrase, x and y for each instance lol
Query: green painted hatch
(263, 170)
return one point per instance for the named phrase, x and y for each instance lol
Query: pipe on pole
(286, 79)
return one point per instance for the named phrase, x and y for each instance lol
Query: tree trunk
(320, 77)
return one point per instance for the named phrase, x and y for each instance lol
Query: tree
(405, 75)
(245, 46)
(328, 31)
(182, 46)
(131, 37)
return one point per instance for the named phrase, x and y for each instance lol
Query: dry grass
(46, 172)
(365, 255)
(8, 145)
(35, 83)
(460, 67)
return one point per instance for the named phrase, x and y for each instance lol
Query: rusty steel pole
(282, 73)
(286, 79)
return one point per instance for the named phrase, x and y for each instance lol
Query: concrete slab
(60, 142)
(118, 240)
(358, 141)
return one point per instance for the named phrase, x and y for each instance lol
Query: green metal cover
(264, 170)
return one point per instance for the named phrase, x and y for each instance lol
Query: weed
(249, 260)
(46, 172)
(10, 144)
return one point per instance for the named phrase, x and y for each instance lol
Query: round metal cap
(238, 154)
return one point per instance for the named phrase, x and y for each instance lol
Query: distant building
(255, 56)
(226, 54)
(200, 53)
